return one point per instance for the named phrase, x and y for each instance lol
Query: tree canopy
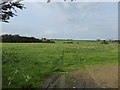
(8, 9)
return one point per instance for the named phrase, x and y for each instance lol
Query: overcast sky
(78, 20)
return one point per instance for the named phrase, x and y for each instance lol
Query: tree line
(8, 38)
(107, 41)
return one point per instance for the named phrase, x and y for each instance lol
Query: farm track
(51, 81)
(86, 78)
(71, 82)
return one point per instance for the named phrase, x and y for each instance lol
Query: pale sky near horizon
(78, 20)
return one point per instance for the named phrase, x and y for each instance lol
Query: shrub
(104, 42)
(68, 42)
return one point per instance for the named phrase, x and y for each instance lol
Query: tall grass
(28, 64)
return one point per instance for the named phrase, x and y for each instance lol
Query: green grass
(28, 64)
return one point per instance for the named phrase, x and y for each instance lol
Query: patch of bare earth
(104, 76)
(79, 79)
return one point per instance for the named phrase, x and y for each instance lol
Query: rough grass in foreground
(28, 64)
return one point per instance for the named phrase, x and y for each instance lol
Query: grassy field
(28, 64)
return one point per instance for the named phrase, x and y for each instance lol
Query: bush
(104, 42)
(68, 42)
(48, 41)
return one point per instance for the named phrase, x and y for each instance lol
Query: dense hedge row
(20, 39)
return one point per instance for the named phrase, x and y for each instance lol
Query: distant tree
(104, 42)
(98, 40)
(118, 41)
(18, 39)
(8, 38)
(8, 9)
(110, 40)
(44, 39)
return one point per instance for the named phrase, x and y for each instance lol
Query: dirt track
(91, 77)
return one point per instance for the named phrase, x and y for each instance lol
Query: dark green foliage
(104, 42)
(116, 41)
(8, 9)
(48, 41)
(98, 40)
(68, 42)
(20, 39)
